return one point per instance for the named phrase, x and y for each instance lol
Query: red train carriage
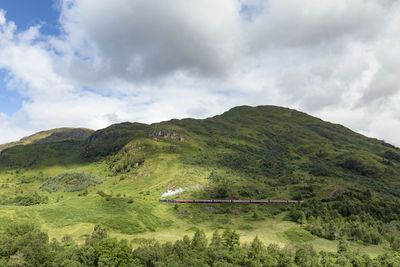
(240, 201)
(202, 200)
(259, 201)
(222, 201)
(278, 201)
(184, 200)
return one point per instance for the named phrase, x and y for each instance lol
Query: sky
(92, 63)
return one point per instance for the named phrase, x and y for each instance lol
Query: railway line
(218, 201)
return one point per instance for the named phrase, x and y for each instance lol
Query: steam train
(228, 201)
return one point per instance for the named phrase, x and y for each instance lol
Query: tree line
(25, 245)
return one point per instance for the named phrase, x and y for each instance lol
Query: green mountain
(350, 184)
(49, 136)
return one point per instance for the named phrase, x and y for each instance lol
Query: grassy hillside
(349, 183)
(54, 135)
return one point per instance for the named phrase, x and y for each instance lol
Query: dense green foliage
(70, 182)
(23, 198)
(353, 215)
(49, 154)
(25, 245)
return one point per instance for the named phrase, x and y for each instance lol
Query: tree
(306, 256)
(343, 246)
(27, 240)
(150, 252)
(216, 241)
(98, 234)
(180, 249)
(87, 255)
(256, 249)
(231, 238)
(17, 260)
(199, 241)
(327, 258)
(111, 252)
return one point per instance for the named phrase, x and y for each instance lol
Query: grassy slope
(266, 152)
(54, 135)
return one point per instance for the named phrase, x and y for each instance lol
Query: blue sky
(10, 101)
(26, 13)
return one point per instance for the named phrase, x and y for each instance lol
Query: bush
(70, 182)
(30, 199)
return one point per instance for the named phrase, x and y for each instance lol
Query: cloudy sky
(91, 63)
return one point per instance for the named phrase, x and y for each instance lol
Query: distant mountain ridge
(53, 135)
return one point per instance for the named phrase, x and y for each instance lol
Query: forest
(26, 245)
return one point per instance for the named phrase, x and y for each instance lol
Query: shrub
(30, 199)
(70, 182)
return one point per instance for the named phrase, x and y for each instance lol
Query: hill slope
(349, 183)
(49, 136)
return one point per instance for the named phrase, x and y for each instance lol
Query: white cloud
(293, 23)
(147, 61)
(136, 40)
(12, 127)
(2, 17)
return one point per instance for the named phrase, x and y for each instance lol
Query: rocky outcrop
(166, 134)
